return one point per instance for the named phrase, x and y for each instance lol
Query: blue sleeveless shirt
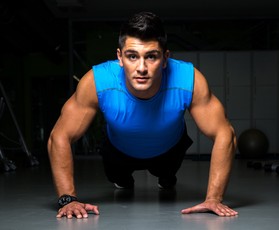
(144, 128)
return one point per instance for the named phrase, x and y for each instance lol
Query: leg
(118, 167)
(166, 165)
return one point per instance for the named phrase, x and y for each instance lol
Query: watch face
(66, 199)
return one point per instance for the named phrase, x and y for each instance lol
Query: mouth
(141, 79)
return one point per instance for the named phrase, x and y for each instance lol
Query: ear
(166, 56)
(119, 56)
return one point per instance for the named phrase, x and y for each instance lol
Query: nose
(142, 68)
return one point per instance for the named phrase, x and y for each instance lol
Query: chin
(141, 88)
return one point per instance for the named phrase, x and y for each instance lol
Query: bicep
(74, 119)
(206, 110)
(78, 112)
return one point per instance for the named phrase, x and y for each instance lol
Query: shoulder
(86, 90)
(179, 64)
(202, 93)
(107, 75)
(180, 74)
(108, 67)
(180, 70)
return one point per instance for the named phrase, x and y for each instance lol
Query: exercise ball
(253, 143)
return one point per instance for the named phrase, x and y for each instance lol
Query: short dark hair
(145, 26)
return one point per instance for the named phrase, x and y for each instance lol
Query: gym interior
(47, 46)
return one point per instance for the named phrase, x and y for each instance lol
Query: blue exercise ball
(253, 143)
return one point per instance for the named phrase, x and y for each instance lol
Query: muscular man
(143, 96)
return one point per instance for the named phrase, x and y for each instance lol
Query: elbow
(54, 142)
(226, 139)
(58, 143)
(233, 140)
(50, 143)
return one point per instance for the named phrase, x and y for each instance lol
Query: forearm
(220, 167)
(61, 160)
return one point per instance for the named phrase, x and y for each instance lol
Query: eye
(151, 57)
(132, 57)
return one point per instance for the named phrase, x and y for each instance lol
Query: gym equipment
(268, 166)
(8, 165)
(271, 167)
(253, 143)
(255, 164)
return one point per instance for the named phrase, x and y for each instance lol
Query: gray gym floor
(27, 199)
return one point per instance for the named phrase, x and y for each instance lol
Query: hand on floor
(78, 209)
(211, 205)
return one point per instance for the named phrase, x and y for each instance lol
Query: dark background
(43, 43)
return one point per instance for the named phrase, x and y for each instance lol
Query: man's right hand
(78, 209)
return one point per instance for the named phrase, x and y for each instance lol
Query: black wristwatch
(66, 199)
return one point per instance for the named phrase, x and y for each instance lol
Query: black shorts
(119, 166)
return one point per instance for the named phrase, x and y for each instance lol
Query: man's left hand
(213, 206)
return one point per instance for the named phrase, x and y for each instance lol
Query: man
(143, 96)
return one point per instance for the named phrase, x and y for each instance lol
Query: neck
(145, 94)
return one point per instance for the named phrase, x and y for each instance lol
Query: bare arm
(76, 116)
(209, 115)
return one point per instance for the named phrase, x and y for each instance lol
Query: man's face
(143, 62)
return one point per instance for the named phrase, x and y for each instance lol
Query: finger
(93, 208)
(80, 213)
(194, 209)
(223, 210)
(233, 212)
(69, 214)
(189, 211)
(219, 209)
(186, 211)
(60, 213)
(83, 213)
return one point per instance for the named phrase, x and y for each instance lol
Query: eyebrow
(149, 52)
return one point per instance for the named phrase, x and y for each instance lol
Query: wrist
(219, 199)
(66, 199)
